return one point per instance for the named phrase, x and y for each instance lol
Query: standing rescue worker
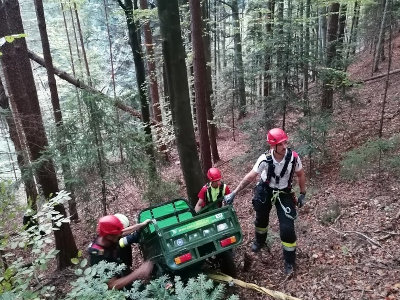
(276, 168)
(213, 190)
(106, 247)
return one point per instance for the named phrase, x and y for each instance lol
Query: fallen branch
(80, 84)
(274, 294)
(380, 75)
(344, 233)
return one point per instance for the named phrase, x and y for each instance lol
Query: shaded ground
(348, 233)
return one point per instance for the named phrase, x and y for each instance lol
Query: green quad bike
(179, 241)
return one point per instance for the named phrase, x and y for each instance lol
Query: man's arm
(302, 181)
(143, 272)
(136, 227)
(251, 176)
(199, 205)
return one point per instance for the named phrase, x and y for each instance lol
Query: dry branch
(380, 75)
(80, 84)
(274, 294)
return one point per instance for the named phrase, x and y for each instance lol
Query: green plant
(364, 159)
(23, 278)
(330, 214)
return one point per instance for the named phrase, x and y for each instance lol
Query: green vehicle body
(177, 231)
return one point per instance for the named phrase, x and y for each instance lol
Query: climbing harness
(286, 209)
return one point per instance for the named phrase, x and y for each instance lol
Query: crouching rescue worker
(108, 244)
(213, 190)
(276, 168)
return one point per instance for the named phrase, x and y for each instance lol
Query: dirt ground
(353, 256)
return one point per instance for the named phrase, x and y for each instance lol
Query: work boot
(259, 242)
(289, 268)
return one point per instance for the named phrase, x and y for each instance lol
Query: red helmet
(214, 174)
(276, 136)
(109, 225)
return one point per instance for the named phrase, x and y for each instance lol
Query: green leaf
(78, 272)
(75, 261)
(83, 263)
(87, 271)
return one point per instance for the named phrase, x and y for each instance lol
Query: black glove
(301, 200)
(229, 198)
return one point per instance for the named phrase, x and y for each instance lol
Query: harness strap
(271, 167)
(208, 197)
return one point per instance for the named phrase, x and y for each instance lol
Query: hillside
(348, 232)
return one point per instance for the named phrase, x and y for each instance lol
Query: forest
(111, 107)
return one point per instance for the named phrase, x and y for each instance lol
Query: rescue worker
(276, 168)
(213, 190)
(106, 247)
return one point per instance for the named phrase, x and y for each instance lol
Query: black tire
(226, 263)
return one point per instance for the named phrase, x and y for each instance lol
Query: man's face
(112, 238)
(281, 147)
(215, 184)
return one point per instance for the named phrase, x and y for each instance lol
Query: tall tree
(200, 83)
(22, 155)
(134, 42)
(22, 91)
(55, 101)
(212, 129)
(327, 88)
(174, 58)
(237, 40)
(152, 73)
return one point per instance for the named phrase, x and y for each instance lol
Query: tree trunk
(306, 56)
(20, 81)
(200, 84)
(237, 40)
(151, 66)
(22, 156)
(379, 44)
(212, 129)
(78, 23)
(327, 89)
(141, 84)
(55, 101)
(174, 58)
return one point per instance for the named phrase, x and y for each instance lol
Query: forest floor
(348, 232)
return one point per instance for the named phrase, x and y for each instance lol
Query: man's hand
(301, 200)
(229, 198)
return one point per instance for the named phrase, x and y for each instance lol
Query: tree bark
(55, 101)
(327, 89)
(20, 81)
(200, 84)
(212, 129)
(174, 58)
(379, 44)
(152, 72)
(141, 83)
(22, 156)
(237, 40)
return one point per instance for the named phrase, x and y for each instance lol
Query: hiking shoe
(289, 269)
(256, 247)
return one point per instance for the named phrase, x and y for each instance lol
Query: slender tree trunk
(141, 84)
(379, 44)
(78, 23)
(212, 129)
(267, 107)
(174, 58)
(306, 56)
(22, 156)
(354, 27)
(327, 89)
(200, 83)
(387, 81)
(151, 66)
(55, 101)
(20, 81)
(237, 40)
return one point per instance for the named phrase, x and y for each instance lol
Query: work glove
(229, 198)
(301, 200)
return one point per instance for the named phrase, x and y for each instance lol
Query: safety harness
(271, 174)
(209, 199)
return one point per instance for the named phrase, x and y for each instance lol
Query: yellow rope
(275, 294)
